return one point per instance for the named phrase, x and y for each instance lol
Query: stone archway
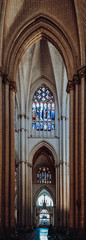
(41, 26)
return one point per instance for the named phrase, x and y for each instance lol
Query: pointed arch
(40, 27)
(38, 146)
(39, 191)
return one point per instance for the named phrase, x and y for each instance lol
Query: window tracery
(44, 175)
(43, 110)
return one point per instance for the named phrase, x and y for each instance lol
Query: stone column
(1, 76)
(6, 150)
(82, 147)
(22, 172)
(12, 153)
(29, 196)
(70, 88)
(64, 174)
(67, 167)
(61, 195)
(76, 81)
(57, 197)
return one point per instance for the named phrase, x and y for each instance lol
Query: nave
(42, 234)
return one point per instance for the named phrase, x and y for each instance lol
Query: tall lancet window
(43, 110)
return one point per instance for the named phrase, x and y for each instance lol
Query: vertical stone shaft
(30, 196)
(64, 175)
(76, 149)
(71, 156)
(67, 169)
(61, 195)
(23, 168)
(82, 145)
(27, 194)
(12, 156)
(0, 151)
(57, 195)
(6, 148)
(56, 199)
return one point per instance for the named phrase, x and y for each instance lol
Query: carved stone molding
(6, 79)
(13, 86)
(20, 162)
(21, 129)
(57, 165)
(22, 115)
(29, 165)
(61, 163)
(70, 86)
(82, 72)
(1, 73)
(63, 117)
(76, 79)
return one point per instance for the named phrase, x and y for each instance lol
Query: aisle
(38, 234)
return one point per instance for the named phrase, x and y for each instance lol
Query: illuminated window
(44, 175)
(44, 198)
(44, 216)
(43, 110)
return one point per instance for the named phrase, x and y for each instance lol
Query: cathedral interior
(43, 117)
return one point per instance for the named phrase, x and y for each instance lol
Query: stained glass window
(43, 110)
(44, 175)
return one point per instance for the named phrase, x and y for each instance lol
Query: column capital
(29, 165)
(13, 86)
(1, 73)
(22, 116)
(82, 72)
(76, 79)
(57, 165)
(5, 79)
(70, 86)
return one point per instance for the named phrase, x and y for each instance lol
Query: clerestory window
(44, 175)
(43, 110)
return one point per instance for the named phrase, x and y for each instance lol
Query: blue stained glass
(53, 111)
(49, 126)
(45, 126)
(49, 111)
(39, 91)
(33, 111)
(41, 126)
(41, 111)
(34, 125)
(37, 111)
(39, 97)
(47, 97)
(53, 126)
(43, 94)
(43, 99)
(45, 111)
(43, 89)
(37, 126)
(47, 91)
